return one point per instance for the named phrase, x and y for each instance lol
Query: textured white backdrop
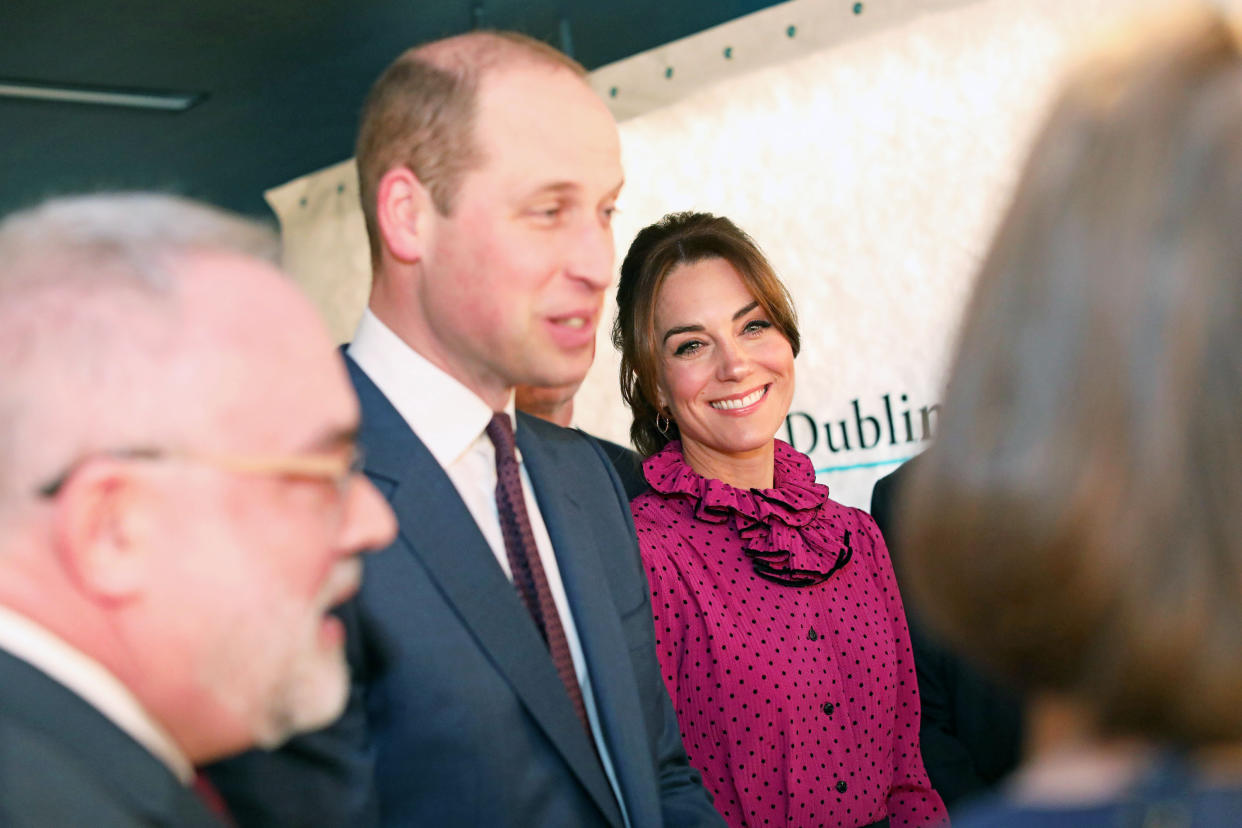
(869, 154)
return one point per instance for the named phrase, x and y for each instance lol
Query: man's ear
(403, 208)
(103, 530)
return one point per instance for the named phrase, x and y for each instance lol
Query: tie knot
(500, 432)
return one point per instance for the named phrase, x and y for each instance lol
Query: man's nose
(370, 524)
(591, 253)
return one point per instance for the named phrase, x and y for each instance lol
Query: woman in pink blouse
(780, 631)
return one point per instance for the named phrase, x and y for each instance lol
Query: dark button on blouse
(812, 634)
(841, 786)
(828, 708)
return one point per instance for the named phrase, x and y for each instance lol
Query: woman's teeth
(749, 399)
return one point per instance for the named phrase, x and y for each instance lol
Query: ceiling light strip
(163, 101)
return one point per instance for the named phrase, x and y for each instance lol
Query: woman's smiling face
(726, 372)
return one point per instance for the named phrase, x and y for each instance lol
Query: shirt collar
(90, 680)
(446, 415)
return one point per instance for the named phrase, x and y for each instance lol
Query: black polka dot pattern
(798, 704)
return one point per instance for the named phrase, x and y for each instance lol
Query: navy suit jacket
(62, 762)
(457, 716)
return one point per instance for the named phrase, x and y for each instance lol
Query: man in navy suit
(489, 172)
(178, 508)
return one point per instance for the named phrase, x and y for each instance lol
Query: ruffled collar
(778, 526)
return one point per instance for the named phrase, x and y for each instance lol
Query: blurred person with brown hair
(1077, 526)
(779, 627)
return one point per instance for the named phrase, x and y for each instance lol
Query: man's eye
(547, 213)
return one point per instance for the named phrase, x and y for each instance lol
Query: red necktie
(211, 798)
(523, 554)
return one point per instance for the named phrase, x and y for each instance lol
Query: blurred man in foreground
(178, 508)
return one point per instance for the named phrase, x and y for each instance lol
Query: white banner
(868, 147)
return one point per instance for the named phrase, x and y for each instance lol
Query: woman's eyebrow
(746, 310)
(680, 329)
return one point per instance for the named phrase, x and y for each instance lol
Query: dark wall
(283, 80)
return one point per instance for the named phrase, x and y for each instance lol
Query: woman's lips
(744, 401)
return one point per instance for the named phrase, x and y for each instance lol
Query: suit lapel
(556, 480)
(438, 529)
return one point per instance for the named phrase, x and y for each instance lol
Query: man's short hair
(74, 272)
(420, 114)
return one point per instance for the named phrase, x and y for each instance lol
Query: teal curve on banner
(870, 465)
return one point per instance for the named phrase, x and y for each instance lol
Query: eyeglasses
(338, 469)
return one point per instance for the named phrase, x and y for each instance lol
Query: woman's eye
(687, 347)
(756, 325)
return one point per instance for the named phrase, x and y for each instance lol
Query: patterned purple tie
(528, 575)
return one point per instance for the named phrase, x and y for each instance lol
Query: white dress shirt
(451, 421)
(90, 680)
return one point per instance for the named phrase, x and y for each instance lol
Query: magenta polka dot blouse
(783, 642)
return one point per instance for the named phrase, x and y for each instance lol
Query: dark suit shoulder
(885, 497)
(62, 762)
(627, 462)
(42, 783)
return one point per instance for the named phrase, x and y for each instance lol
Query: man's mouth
(343, 583)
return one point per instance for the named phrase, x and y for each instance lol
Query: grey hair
(131, 230)
(90, 322)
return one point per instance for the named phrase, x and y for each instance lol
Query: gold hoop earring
(663, 429)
